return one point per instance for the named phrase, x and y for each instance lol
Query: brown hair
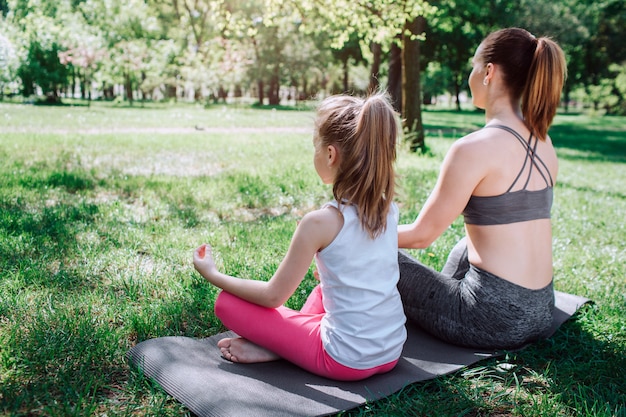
(534, 70)
(365, 132)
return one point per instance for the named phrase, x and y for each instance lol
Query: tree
(280, 52)
(306, 65)
(8, 64)
(83, 54)
(605, 46)
(216, 45)
(43, 68)
(38, 48)
(619, 87)
(268, 45)
(378, 23)
(349, 51)
(394, 81)
(202, 25)
(412, 103)
(127, 38)
(451, 41)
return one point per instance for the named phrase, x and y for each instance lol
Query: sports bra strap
(531, 154)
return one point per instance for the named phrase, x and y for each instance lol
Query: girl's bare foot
(238, 349)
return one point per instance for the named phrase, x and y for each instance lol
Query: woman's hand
(204, 263)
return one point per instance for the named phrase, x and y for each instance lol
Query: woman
(495, 290)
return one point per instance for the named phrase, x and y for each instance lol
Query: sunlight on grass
(101, 207)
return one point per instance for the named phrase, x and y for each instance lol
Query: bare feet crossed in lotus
(240, 350)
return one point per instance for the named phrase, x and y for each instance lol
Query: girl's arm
(315, 231)
(462, 169)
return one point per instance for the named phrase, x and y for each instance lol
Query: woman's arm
(462, 169)
(315, 231)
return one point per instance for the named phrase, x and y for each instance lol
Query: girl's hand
(204, 263)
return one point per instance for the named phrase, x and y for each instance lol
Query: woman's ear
(489, 73)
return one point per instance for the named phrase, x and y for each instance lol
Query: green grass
(101, 207)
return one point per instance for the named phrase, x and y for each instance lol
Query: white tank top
(364, 322)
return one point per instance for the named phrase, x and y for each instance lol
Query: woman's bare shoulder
(471, 145)
(479, 137)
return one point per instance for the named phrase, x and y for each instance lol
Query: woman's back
(507, 217)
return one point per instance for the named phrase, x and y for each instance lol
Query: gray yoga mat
(194, 372)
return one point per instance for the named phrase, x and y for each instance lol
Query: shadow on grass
(592, 143)
(587, 372)
(56, 225)
(452, 124)
(570, 373)
(303, 106)
(67, 352)
(39, 226)
(36, 240)
(583, 138)
(594, 191)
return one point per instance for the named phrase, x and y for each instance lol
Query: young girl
(352, 324)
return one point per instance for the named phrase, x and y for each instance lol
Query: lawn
(101, 207)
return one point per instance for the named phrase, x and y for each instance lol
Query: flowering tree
(8, 65)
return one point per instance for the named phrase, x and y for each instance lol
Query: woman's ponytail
(534, 71)
(542, 94)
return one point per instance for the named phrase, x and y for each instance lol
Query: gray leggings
(471, 307)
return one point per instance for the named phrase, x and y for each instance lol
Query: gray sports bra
(514, 206)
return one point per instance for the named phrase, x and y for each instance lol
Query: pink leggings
(292, 335)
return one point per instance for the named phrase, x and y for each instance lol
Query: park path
(154, 130)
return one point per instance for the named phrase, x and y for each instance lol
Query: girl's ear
(332, 155)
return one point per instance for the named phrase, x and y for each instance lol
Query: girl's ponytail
(375, 142)
(542, 93)
(365, 131)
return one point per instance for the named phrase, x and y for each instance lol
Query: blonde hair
(364, 131)
(534, 70)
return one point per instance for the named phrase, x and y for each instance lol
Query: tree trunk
(411, 89)
(394, 83)
(72, 81)
(345, 75)
(81, 80)
(128, 86)
(273, 95)
(305, 89)
(170, 92)
(88, 84)
(143, 92)
(457, 91)
(377, 51)
(261, 87)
